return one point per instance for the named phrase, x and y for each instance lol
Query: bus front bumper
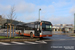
(45, 35)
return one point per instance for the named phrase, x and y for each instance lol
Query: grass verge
(9, 37)
(73, 34)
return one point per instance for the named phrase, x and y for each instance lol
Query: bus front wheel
(31, 35)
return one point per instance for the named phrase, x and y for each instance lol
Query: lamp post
(39, 14)
(38, 26)
(74, 22)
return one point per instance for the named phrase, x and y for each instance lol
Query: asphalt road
(50, 45)
(58, 37)
(56, 42)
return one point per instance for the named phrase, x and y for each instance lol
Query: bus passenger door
(37, 31)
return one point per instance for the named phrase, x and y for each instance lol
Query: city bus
(35, 29)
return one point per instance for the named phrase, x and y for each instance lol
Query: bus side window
(38, 26)
(35, 26)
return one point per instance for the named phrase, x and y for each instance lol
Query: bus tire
(41, 38)
(31, 35)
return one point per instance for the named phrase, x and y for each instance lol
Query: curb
(18, 40)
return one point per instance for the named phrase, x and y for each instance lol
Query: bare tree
(12, 17)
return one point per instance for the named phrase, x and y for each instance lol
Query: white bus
(35, 29)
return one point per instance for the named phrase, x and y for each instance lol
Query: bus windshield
(46, 27)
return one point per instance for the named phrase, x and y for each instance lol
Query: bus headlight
(40, 33)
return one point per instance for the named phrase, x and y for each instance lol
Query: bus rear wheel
(31, 35)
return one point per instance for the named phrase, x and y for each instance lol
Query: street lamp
(74, 22)
(39, 14)
(39, 18)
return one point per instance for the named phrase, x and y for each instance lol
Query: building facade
(63, 27)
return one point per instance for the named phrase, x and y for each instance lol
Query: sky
(55, 11)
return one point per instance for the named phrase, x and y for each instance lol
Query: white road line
(4, 43)
(17, 43)
(41, 42)
(30, 42)
(62, 39)
(73, 39)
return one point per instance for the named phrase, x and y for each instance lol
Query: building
(60, 27)
(4, 26)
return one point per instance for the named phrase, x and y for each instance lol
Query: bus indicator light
(41, 24)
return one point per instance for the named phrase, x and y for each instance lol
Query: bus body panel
(46, 33)
(42, 34)
(17, 30)
(29, 31)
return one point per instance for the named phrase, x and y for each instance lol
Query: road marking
(73, 39)
(57, 39)
(30, 42)
(62, 39)
(41, 42)
(18, 43)
(4, 43)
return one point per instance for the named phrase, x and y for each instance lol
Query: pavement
(35, 39)
(22, 43)
(42, 41)
(53, 38)
(56, 42)
(48, 45)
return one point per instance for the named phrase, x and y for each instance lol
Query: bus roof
(38, 21)
(35, 22)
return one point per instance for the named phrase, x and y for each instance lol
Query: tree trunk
(10, 30)
(7, 30)
(13, 31)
